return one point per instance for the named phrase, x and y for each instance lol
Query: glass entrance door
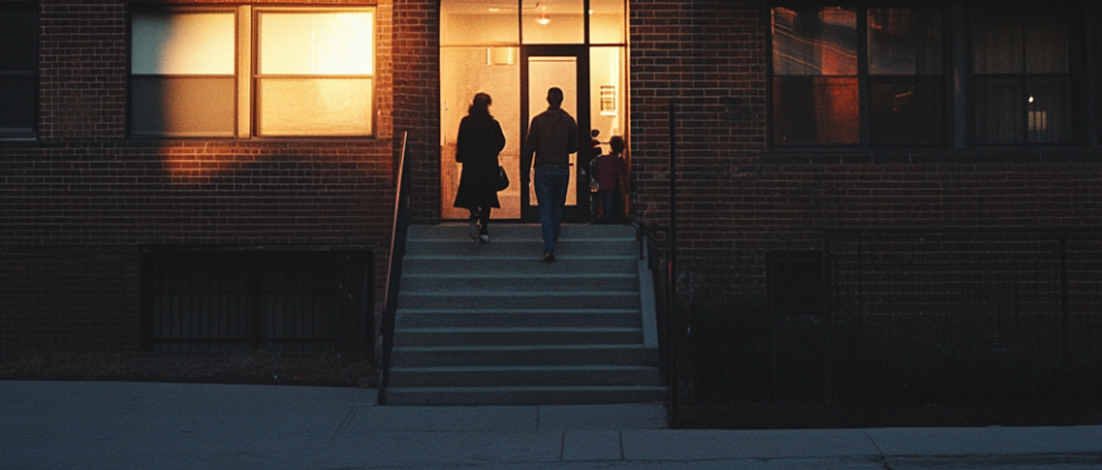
(565, 67)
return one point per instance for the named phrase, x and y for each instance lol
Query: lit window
(18, 66)
(305, 72)
(1022, 80)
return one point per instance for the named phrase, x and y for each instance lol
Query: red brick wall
(417, 100)
(738, 199)
(77, 203)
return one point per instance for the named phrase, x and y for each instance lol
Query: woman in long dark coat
(480, 140)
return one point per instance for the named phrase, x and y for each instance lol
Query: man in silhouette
(552, 137)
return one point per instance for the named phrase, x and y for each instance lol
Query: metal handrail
(399, 228)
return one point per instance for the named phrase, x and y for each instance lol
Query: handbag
(502, 179)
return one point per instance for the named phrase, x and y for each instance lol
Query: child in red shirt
(610, 171)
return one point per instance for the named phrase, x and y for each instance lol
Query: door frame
(580, 212)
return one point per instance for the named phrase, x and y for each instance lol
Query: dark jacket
(552, 137)
(479, 142)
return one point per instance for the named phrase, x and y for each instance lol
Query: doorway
(516, 50)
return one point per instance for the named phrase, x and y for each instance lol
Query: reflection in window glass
(183, 68)
(336, 43)
(182, 43)
(904, 42)
(330, 55)
(815, 110)
(907, 101)
(322, 107)
(816, 42)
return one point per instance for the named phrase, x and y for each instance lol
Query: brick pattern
(737, 199)
(84, 186)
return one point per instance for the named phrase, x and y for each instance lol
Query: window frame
(31, 75)
(959, 80)
(246, 76)
(1076, 76)
(864, 78)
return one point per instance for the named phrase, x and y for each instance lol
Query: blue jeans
(551, 184)
(608, 207)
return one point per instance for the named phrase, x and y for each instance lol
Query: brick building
(136, 134)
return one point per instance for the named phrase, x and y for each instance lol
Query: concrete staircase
(490, 324)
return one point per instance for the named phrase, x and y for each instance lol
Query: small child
(610, 171)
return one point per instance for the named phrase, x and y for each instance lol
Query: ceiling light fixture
(543, 19)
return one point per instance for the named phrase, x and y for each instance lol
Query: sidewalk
(118, 426)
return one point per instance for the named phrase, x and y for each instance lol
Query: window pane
(552, 22)
(18, 32)
(1000, 117)
(182, 106)
(606, 21)
(810, 110)
(1049, 111)
(17, 107)
(488, 22)
(322, 107)
(1046, 43)
(996, 42)
(904, 42)
(819, 42)
(178, 43)
(326, 43)
(907, 112)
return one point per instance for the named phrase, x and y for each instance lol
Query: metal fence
(903, 315)
(294, 300)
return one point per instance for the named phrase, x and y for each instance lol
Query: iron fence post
(1065, 347)
(828, 321)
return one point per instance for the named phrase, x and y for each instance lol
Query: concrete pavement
(118, 425)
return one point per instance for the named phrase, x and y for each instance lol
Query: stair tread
(521, 311)
(520, 329)
(515, 293)
(536, 347)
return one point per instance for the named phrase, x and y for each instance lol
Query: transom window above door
(245, 71)
(515, 22)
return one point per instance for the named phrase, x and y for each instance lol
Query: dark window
(879, 76)
(815, 84)
(1021, 76)
(906, 77)
(18, 70)
(826, 59)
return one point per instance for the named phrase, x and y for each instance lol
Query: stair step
(489, 323)
(515, 336)
(536, 299)
(516, 318)
(480, 281)
(584, 354)
(505, 231)
(546, 395)
(504, 376)
(565, 263)
(521, 248)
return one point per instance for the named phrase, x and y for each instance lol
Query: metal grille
(288, 300)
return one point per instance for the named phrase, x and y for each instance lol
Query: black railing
(397, 252)
(993, 297)
(905, 315)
